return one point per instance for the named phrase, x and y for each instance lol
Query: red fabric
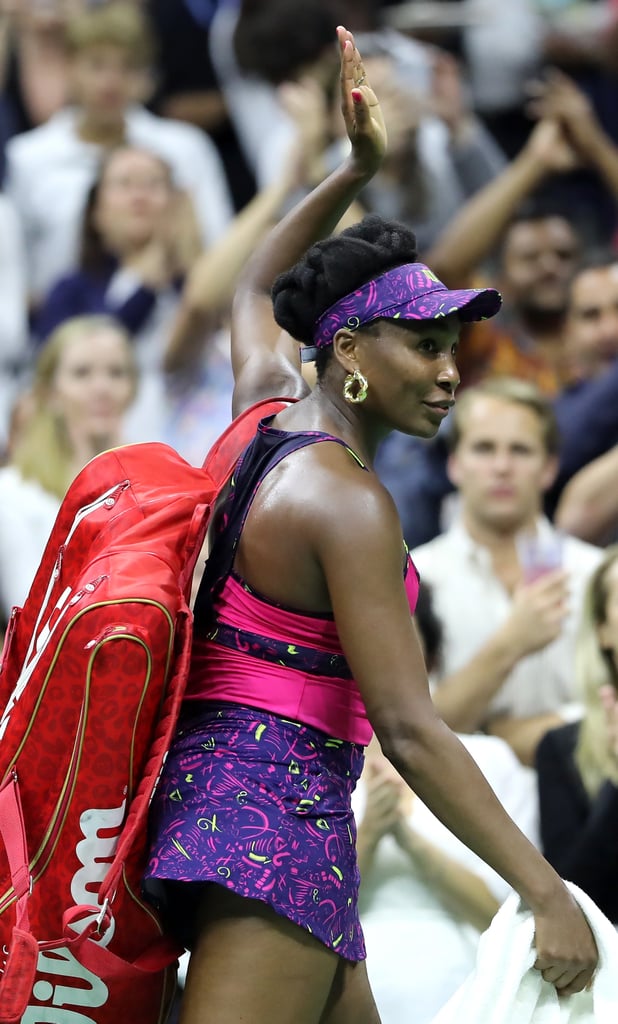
(92, 676)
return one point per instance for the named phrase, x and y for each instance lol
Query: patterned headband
(409, 292)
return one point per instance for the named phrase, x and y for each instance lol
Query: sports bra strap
(267, 449)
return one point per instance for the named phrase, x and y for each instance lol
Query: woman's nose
(449, 374)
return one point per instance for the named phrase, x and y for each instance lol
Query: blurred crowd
(146, 146)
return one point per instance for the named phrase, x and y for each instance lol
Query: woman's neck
(324, 410)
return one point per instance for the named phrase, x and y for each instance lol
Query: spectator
(421, 890)
(538, 249)
(210, 284)
(141, 261)
(536, 260)
(139, 239)
(508, 641)
(50, 169)
(84, 381)
(591, 342)
(587, 410)
(36, 69)
(577, 764)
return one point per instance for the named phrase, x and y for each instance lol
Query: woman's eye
(427, 345)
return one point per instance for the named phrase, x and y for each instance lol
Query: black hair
(273, 39)
(542, 205)
(334, 267)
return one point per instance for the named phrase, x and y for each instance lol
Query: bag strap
(13, 833)
(228, 447)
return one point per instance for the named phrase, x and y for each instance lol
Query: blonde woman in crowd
(84, 382)
(578, 763)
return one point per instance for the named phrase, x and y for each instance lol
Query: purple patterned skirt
(261, 805)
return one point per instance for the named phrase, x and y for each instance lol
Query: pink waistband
(333, 705)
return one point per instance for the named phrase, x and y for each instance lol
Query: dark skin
(407, 367)
(337, 544)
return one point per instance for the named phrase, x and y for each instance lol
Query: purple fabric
(262, 806)
(409, 292)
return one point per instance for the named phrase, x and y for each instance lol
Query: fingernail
(357, 96)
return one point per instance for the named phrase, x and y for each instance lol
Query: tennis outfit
(256, 790)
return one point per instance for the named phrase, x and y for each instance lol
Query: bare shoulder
(348, 503)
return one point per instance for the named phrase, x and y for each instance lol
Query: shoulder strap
(224, 453)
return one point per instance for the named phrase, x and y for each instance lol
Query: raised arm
(477, 228)
(588, 506)
(209, 288)
(560, 98)
(266, 360)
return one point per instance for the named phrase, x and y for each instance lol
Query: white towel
(504, 988)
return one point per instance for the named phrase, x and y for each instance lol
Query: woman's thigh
(251, 964)
(350, 1000)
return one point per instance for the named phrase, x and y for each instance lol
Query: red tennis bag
(92, 676)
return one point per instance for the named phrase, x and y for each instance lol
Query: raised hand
(538, 612)
(558, 98)
(360, 107)
(385, 791)
(550, 147)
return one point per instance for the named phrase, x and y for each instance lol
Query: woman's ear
(346, 349)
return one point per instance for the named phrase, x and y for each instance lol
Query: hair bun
(336, 266)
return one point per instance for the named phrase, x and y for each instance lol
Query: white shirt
(50, 170)
(472, 604)
(418, 952)
(27, 514)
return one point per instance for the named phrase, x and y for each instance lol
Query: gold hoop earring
(355, 387)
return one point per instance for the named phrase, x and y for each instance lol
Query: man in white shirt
(51, 168)
(509, 627)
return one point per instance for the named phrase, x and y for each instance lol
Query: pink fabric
(218, 673)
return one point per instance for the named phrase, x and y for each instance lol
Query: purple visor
(408, 292)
